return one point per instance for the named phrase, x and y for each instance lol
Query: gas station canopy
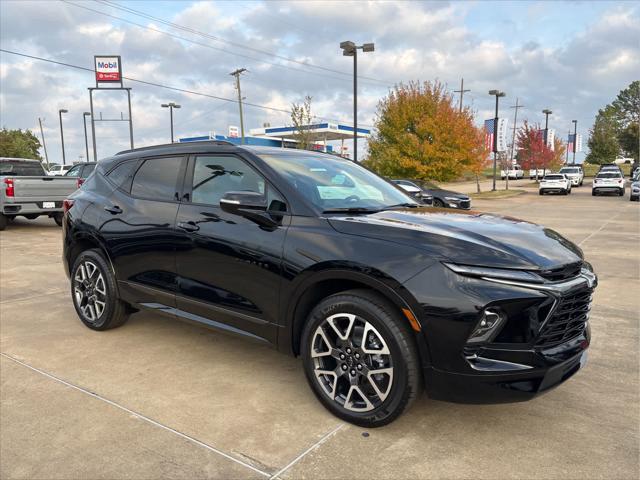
(319, 132)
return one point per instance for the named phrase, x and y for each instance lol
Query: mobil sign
(108, 69)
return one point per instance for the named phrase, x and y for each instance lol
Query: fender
(293, 299)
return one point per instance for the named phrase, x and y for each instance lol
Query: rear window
(157, 179)
(554, 177)
(570, 170)
(88, 170)
(21, 169)
(609, 175)
(121, 175)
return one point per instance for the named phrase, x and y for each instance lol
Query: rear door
(139, 228)
(229, 268)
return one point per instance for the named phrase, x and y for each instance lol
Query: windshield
(21, 169)
(570, 170)
(333, 183)
(608, 175)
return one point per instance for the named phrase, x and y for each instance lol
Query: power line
(168, 87)
(232, 43)
(205, 45)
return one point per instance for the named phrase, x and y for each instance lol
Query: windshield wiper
(399, 205)
(352, 210)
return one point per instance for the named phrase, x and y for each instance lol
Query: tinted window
(554, 177)
(609, 175)
(21, 169)
(157, 179)
(88, 169)
(74, 172)
(215, 176)
(121, 175)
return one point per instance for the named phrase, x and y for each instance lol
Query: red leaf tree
(532, 151)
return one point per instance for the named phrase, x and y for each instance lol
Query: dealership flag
(488, 133)
(571, 143)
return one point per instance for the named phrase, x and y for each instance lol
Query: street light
(350, 49)
(170, 106)
(546, 112)
(86, 141)
(497, 94)
(60, 112)
(575, 139)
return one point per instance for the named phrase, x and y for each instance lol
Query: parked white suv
(608, 181)
(57, 170)
(514, 173)
(575, 174)
(555, 183)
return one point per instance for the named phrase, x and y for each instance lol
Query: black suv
(318, 257)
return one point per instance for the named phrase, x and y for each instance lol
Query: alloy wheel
(90, 291)
(352, 362)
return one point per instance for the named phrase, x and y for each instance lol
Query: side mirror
(250, 205)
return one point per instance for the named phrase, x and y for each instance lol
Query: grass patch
(497, 194)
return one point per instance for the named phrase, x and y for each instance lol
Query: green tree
(629, 139)
(421, 134)
(19, 144)
(627, 104)
(603, 137)
(301, 117)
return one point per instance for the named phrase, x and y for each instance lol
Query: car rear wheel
(541, 192)
(621, 192)
(438, 203)
(360, 358)
(57, 217)
(3, 221)
(94, 292)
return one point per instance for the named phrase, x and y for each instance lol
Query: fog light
(488, 326)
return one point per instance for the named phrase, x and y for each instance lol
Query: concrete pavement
(162, 399)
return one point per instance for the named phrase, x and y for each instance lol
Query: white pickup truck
(515, 173)
(26, 190)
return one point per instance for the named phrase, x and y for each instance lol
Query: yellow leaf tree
(421, 134)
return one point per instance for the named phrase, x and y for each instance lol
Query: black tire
(438, 203)
(593, 193)
(3, 221)
(114, 312)
(565, 192)
(541, 192)
(621, 192)
(58, 217)
(402, 387)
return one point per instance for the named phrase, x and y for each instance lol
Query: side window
(74, 172)
(157, 179)
(121, 175)
(214, 176)
(87, 170)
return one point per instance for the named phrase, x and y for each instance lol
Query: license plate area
(48, 204)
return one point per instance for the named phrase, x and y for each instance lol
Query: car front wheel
(94, 292)
(360, 358)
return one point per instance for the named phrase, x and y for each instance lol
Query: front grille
(568, 319)
(562, 273)
(465, 204)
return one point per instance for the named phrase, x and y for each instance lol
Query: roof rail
(153, 147)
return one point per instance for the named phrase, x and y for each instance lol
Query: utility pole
(44, 145)
(461, 92)
(60, 112)
(237, 73)
(513, 138)
(86, 141)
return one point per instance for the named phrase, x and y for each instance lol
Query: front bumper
(461, 204)
(539, 347)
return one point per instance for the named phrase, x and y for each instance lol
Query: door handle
(113, 210)
(188, 226)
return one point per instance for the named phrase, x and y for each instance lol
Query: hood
(466, 237)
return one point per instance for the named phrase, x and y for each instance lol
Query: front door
(228, 266)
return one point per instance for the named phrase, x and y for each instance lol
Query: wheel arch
(82, 242)
(327, 282)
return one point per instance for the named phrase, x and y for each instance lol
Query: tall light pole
(171, 106)
(86, 140)
(237, 73)
(60, 112)
(575, 139)
(497, 94)
(350, 49)
(546, 112)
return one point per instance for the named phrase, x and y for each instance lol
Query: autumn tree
(559, 151)
(301, 117)
(533, 153)
(19, 144)
(421, 134)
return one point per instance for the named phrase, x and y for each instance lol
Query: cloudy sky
(571, 57)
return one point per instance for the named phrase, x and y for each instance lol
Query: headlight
(452, 199)
(499, 273)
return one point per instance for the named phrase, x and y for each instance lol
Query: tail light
(10, 190)
(67, 204)
(79, 182)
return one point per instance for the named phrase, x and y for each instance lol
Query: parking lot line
(150, 420)
(307, 451)
(601, 227)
